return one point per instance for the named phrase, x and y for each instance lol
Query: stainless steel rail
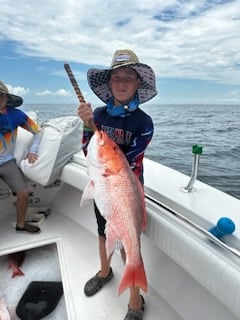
(195, 226)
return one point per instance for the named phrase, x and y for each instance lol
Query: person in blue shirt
(10, 119)
(122, 87)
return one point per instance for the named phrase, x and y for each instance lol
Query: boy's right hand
(86, 115)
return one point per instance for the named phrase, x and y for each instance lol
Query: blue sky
(192, 45)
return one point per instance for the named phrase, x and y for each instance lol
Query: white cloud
(191, 39)
(44, 93)
(63, 93)
(19, 91)
(59, 92)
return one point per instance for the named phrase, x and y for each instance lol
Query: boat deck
(179, 296)
(77, 246)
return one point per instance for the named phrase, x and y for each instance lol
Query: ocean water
(177, 128)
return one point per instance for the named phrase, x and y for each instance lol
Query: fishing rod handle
(78, 92)
(74, 83)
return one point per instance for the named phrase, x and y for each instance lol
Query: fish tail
(17, 272)
(134, 276)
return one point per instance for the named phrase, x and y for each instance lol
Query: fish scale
(119, 196)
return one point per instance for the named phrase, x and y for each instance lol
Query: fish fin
(118, 245)
(109, 246)
(88, 192)
(111, 242)
(113, 245)
(17, 272)
(133, 276)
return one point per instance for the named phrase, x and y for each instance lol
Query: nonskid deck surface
(78, 255)
(79, 248)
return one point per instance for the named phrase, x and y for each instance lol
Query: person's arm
(32, 155)
(37, 132)
(137, 149)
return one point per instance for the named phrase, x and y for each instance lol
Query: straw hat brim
(13, 100)
(98, 82)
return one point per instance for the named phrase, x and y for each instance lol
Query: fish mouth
(93, 158)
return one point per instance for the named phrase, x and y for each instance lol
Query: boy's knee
(23, 194)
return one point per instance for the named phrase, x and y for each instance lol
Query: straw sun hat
(13, 100)
(98, 78)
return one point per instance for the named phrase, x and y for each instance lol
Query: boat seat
(74, 173)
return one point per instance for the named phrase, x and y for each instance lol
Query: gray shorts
(13, 176)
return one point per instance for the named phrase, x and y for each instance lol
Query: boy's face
(124, 83)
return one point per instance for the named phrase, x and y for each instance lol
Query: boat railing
(195, 226)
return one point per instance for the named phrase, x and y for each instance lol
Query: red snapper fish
(119, 196)
(4, 313)
(15, 260)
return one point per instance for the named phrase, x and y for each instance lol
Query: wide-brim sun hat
(13, 100)
(98, 78)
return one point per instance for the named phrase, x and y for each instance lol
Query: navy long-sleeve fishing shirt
(132, 134)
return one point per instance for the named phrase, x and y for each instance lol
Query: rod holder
(197, 151)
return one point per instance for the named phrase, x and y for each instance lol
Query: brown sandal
(135, 314)
(96, 283)
(28, 228)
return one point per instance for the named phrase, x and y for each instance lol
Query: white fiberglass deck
(179, 296)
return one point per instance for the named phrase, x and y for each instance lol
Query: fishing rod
(77, 91)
